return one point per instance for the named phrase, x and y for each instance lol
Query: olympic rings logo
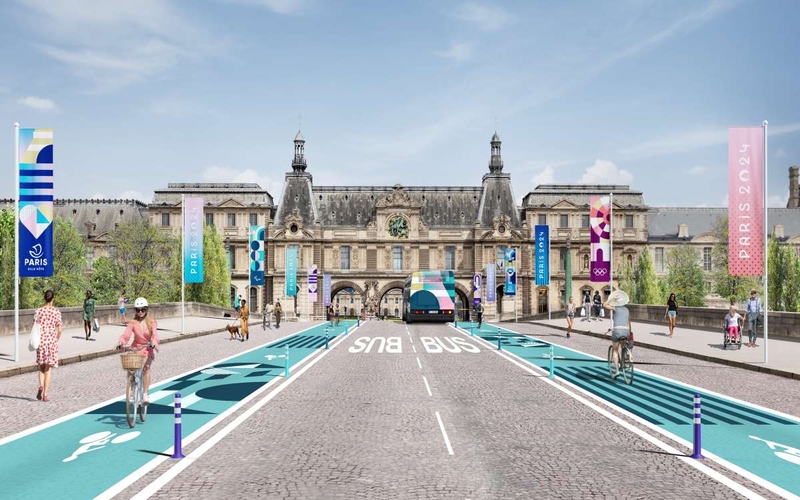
(600, 272)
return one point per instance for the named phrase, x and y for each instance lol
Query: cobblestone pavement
(362, 425)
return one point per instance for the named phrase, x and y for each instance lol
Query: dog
(234, 331)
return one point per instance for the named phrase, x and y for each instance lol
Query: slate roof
(548, 195)
(663, 222)
(249, 194)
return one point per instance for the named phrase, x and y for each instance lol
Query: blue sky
(637, 92)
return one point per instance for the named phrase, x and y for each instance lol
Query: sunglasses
(140, 309)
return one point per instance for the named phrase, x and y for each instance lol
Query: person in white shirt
(732, 324)
(753, 310)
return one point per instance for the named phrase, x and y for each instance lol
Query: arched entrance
(542, 304)
(391, 303)
(348, 300)
(462, 305)
(500, 293)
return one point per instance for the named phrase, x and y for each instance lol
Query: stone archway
(391, 307)
(347, 309)
(463, 301)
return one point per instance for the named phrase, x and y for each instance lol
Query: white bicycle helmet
(140, 303)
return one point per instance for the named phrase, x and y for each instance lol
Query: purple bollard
(698, 449)
(177, 453)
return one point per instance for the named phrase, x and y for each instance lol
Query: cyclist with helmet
(144, 330)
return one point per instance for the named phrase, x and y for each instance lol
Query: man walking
(753, 310)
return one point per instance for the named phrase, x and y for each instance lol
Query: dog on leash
(234, 331)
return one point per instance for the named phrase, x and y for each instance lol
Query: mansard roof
(247, 193)
(663, 222)
(548, 195)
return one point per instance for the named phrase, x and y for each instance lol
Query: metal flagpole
(549, 304)
(610, 251)
(183, 264)
(16, 244)
(766, 229)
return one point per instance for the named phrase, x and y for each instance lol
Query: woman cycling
(144, 330)
(620, 323)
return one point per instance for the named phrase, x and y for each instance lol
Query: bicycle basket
(132, 361)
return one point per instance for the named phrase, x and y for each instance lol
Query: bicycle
(625, 361)
(133, 363)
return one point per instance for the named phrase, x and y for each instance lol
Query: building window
(563, 220)
(706, 258)
(164, 220)
(231, 258)
(542, 219)
(210, 219)
(659, 259)
(231, 220)
(344, 263)
(89, 257)
(584, 221)
(397, 258)
(253, 219)
(628, 221)
(500, 256)
(562, 259)
(708, 288)
(253, 303)
(449, 257)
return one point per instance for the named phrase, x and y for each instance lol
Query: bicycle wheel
(130, 400)
(626, 365)
(611, 369)
(142, 406)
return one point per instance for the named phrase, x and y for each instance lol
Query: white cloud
(605, 172)
(699, 170)
(219, 174)
(39, 103)
(777, 200)
(134, 195)
(458, 52)
(546, 176)
(98, 196)
(484, 17)
(278, 6)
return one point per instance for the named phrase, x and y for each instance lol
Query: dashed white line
(414, 348)
(427, 386)
(420, 364)
(444, 434)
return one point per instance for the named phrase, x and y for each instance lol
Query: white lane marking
(414, 348)
(420, 364)
(159, 395)
(444, 434)
(169, 475)
(427, 386)
(412, 339)
(730, 483)
(189, 400)
(90, 409)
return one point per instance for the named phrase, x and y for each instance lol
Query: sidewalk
(784, 355)
(74, 347)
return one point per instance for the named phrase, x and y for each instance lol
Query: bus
(429, 296)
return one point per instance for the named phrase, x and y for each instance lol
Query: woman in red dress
(51, 328)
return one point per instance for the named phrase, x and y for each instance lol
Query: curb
(703, 357)
(77, 358)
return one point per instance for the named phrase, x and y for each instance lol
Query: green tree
(778, 262)
(106, 281)
(685, 277)
(7, 259)
(735, 288)
(793, 281)
(626, 280)
(214, 288)
(647, 291)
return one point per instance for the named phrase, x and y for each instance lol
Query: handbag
(96, 325)
(602, 313)
(36, 331)
(583, 311)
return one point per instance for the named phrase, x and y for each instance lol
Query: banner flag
(326, 290)
(257, 255)
(291, 271)
(313, 276)
(542, 242)
(490, 283)
(477, 282)
(35, 216)
(193, 240)
(511, 272)
(600, 239)
(746, 201)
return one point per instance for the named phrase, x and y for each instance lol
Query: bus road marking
(444, 434)
(427, 386)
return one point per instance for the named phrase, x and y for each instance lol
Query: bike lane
(758, 443)
(87, 453)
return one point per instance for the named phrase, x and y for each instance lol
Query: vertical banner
(35, 202)
(257, 255)
(600, 239)
(542, 243)
(193, 240)
(477, 284)
(326, 290)
(511, 272)
(490, 283)
(313, 276)
(745, 201)
(291, 271)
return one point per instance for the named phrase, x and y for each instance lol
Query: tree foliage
(106, 281)
(216, 279)
(685, 277)
(784, 276)
(646, 284)
(735, 288)
(625, 278)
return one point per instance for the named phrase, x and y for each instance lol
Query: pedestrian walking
(753, 312)
(336, 315)
(237, 304)
(278, 313)
(570, 315)
(587, 306)
(244, 315)
(88, 314)
(50, 329)
(671, 312)
(597, 303)
(267, 316)
(479, 313)
(122, 302)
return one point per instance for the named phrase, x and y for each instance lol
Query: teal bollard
(326, 339)
(552, 364)
(286, 372)
(499, 346)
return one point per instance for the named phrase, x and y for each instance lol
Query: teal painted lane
(756, 440)
(83, 456)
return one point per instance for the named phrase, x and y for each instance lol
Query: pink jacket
(141, 335)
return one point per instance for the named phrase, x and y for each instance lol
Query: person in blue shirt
(753, 310)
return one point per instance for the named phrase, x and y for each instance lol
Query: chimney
(778, 233)
(683, 230)
(794, 188)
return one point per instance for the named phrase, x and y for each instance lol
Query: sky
(637, 92)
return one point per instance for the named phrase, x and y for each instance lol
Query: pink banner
(600, 239)
(746, 201)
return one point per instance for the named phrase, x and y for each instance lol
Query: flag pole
(610, 251)
(549, 295)
(16, 244)
(766, 231)
(183, 264)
